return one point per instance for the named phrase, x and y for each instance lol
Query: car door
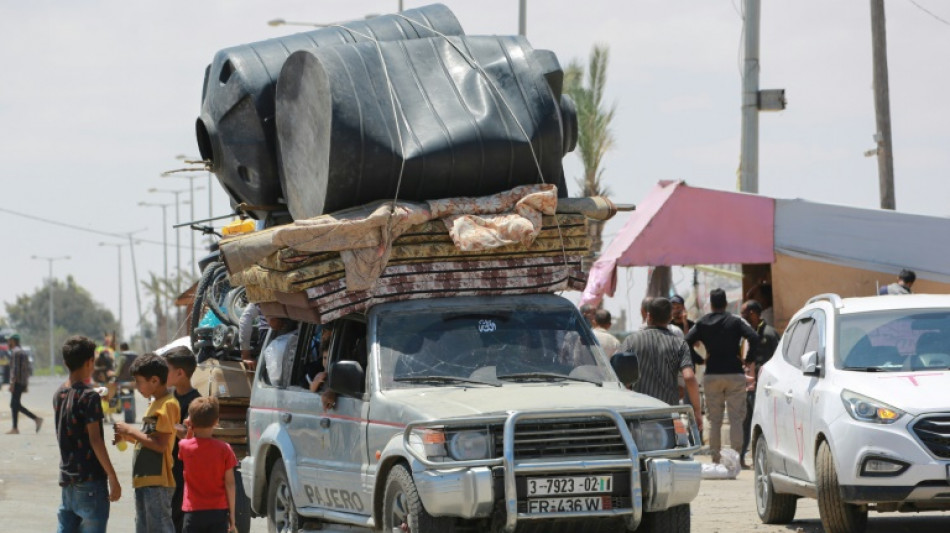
(303, 412)
(344, 428)
(791, 397)
(804, 398)
(777, 381)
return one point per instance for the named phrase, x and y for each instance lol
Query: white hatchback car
(854, 410)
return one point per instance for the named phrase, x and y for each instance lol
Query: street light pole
(52, 352)
(118, 250)
(175, 192)
(165, 297)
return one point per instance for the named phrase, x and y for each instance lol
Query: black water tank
(236, 127)
(463, 134)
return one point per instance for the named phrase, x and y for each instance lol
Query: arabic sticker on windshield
(487, 326)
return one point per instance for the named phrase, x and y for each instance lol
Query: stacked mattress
(424, 264)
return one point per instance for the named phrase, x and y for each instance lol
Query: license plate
(554, 486)
(568, 505)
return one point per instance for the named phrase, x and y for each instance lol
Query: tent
(803, 248)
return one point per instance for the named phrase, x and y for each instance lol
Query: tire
(773, 508)
(837, 516)
(212, 274)
(281, 512)
(403, 509)
(672, 520)
(242, 505)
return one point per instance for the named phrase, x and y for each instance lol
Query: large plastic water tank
(476, 115)
(235, 129)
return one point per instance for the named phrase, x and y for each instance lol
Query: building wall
(795, 280)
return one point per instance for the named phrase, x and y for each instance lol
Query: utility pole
(523, 18)
(749, 166)
(882, 106)
(753, 100)
(52, 323)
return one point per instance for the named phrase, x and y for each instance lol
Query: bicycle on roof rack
(217, 307)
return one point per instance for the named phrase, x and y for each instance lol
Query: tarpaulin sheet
(870, 239)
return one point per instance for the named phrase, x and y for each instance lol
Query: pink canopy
(681, 225)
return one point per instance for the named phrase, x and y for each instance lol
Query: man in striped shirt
(663, 356)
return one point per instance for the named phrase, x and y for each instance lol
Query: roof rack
(828, 296)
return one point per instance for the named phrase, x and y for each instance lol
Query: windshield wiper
(443, 379)
(866, 369)
(546, 375)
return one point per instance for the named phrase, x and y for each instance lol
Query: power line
(929, 12)
(77, 228)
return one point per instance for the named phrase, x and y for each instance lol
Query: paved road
(29, 495)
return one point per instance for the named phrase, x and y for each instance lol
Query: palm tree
(594, 137)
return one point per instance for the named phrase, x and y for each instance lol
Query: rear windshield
(895, 341)
(495, 347)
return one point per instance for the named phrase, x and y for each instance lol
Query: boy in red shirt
(209, 472)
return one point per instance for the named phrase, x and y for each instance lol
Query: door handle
(325, 423)
(286, 417)
(789, 395)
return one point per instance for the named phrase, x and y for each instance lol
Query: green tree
(594, 135)
(74, 313)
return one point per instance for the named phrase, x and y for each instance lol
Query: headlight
(651, 435)
(468, 445)
(867, 409)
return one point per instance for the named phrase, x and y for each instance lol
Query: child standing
(181, 366)
(86, 474)
(152, 465)
(209, 473)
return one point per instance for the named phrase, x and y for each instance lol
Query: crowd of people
(183, 479)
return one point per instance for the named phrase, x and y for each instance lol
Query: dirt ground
(29, 494)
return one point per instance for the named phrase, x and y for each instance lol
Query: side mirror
(810, 364)
(347, 378)
(627, 367)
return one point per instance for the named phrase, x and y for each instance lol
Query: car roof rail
(829, 297)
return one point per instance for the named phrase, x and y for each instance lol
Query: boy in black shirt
(86, 474)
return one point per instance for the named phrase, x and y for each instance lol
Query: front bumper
(853, 443)
(470, 489)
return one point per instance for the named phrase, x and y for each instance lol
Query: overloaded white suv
(453, 414)
(854, 410)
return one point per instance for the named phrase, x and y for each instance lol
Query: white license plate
(568, 505)
(556, 486)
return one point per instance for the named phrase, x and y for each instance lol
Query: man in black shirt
(760, 354)
(724, 382)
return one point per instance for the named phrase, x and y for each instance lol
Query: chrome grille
(563, 438)
(934, 432)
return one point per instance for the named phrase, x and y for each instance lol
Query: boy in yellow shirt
(152, 475)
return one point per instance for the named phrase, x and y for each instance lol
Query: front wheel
(773, 508)
(281, 512)
(403, 510)
(672, 520)
(837, 516)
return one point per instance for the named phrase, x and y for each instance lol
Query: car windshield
(895, 341)
(491, 348)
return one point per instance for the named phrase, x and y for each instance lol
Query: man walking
(768, 342)
(19, 381)
(724, 382)
(663, 356)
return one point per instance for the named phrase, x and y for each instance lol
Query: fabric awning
(681, 225)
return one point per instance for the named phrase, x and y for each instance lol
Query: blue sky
(98, 97)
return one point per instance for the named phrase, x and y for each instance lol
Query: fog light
(880, 466)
